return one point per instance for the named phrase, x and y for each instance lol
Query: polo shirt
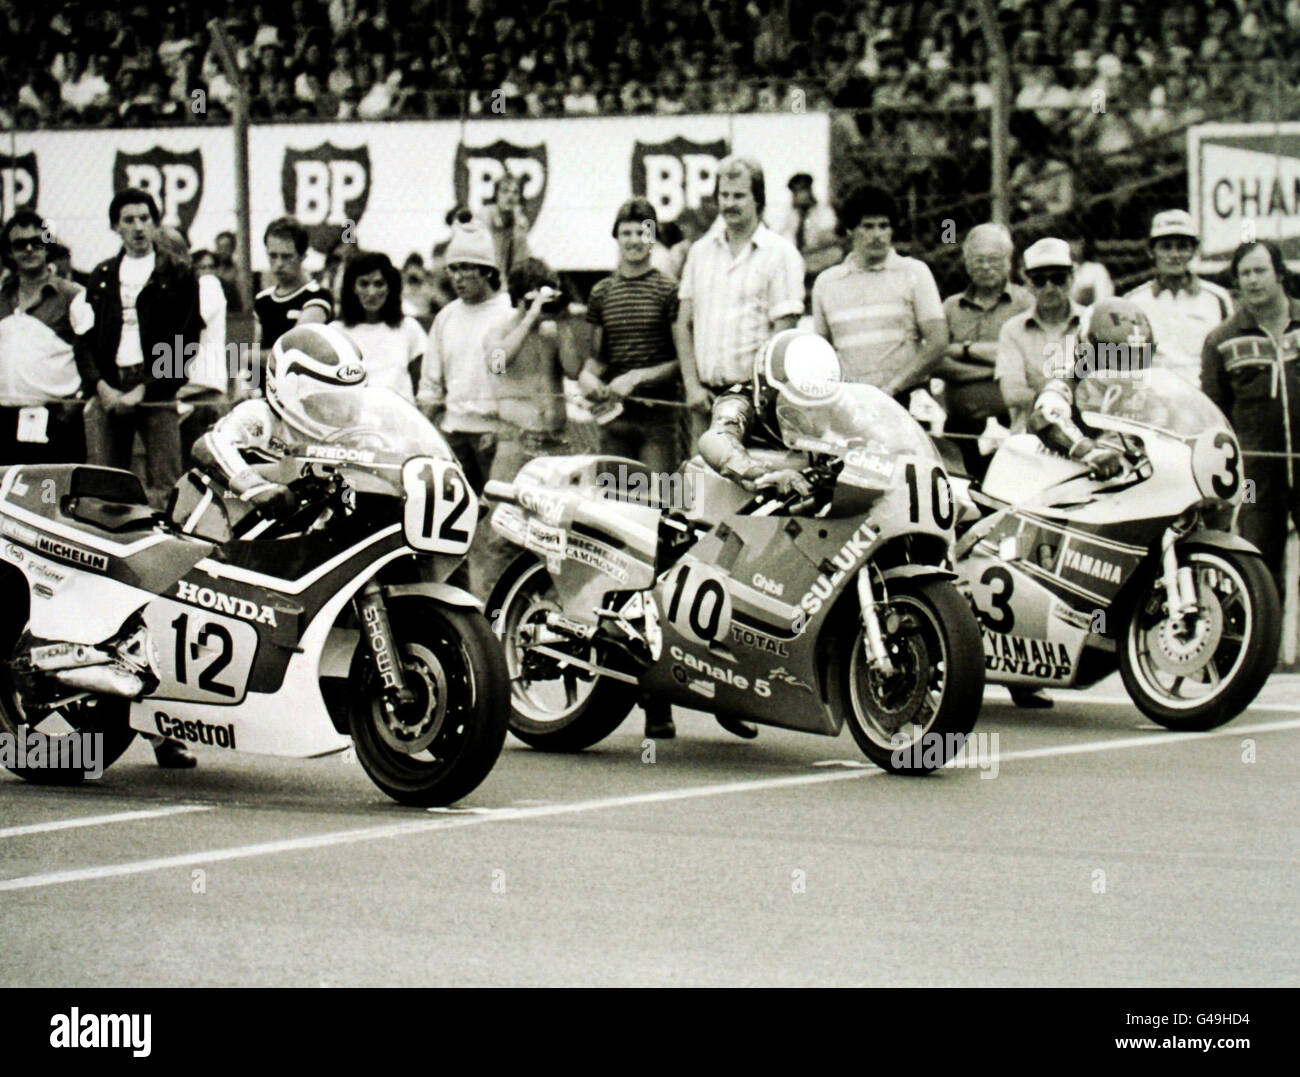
(735, 299)
(978, 321)
(1025, 348)
(1181, 319)
(873, 316)
(36, 345)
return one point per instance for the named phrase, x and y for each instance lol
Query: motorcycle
(333, 626)
(794, 612)
(1073, 577)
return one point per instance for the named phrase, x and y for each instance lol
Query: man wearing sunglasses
(41, 316)
(1032, 344)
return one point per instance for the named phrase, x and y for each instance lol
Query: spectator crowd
(72, 62)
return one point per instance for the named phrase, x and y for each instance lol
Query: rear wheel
(1202, 674)
(554, 706)
(63, 746)
(440, 747)
(915, 719)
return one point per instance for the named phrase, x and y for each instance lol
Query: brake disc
(1182, 653)
(412, 728)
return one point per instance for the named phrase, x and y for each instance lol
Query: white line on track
(425, 826)
(1115, 701)
(100, 820)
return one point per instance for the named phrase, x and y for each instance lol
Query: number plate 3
(441, 508)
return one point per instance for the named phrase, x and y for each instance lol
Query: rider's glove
(786, 480)
(1103, 462)
(272, 499)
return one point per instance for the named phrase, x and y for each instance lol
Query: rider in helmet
(798, 368)
(1118, 341)
(307, 358)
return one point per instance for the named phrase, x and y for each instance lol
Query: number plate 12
(441, 508)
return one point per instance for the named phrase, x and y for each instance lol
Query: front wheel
(555, 706)
(1202, 673)
(440, 747)
(917, 718)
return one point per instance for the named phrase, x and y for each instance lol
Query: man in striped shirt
(741, 284)
(880, 310)
(633, 311)
(1182, 307)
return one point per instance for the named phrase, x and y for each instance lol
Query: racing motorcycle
(1072, 577)
(794, 612)
(329, 627)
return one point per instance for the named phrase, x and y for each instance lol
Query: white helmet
(801, 366)
(306, 360)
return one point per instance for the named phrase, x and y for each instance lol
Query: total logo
(770, 587)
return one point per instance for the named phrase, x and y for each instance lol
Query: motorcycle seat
(115, 517)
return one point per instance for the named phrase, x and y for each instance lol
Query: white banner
(391, 184)
(1245, 184)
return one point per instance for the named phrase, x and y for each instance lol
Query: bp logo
(676, 175)
(19, 183)
(479, 168)
(174, 179)
(327, 189)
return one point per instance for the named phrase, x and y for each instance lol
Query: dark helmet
(1120, 339)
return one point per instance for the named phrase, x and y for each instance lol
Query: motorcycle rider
(305, 358)
(1119, 340)
(799, 368)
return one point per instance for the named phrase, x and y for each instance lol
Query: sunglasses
(31, 244)
(1058, 277)
(461, 267)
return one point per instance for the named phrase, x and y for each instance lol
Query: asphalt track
(1103, 851)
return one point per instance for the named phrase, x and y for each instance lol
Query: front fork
(373, 615)
(1179, 582)
(878, 659)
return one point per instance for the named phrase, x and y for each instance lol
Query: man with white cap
(1181, 306)
(456, 391)
(1032, 344)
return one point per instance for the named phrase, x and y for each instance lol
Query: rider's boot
(744, 730)
(659, 721)
(171, 754)
(1030, 699)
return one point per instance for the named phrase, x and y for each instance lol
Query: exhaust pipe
(107, 680)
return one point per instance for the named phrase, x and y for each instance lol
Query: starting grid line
(502, 815)
(100, 820)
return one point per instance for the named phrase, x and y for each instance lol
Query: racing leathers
(255, 426)
(734, 428)
(1057, 422)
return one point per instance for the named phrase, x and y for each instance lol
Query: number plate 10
(441, 508)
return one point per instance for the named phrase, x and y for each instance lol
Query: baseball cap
(800, 179)
(1048, 253)
(1173, 222)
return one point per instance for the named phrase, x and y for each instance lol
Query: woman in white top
(370, 308)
